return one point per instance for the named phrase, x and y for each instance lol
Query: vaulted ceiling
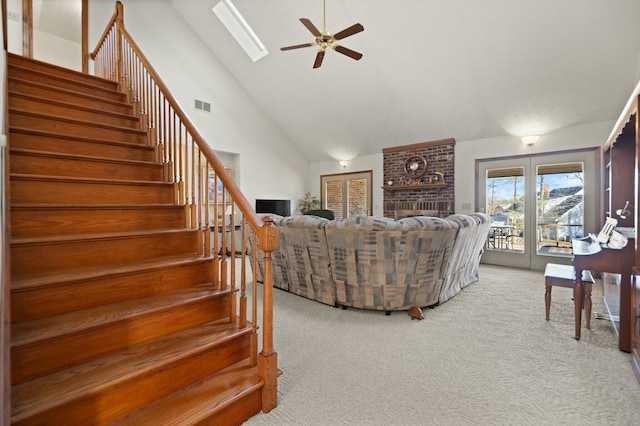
(431, 69)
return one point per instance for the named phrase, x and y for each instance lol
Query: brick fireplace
(428, 190)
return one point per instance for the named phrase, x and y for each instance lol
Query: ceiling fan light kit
(324, 40)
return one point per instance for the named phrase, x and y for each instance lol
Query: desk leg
(577, 303)
(587, 303)
(624, 343)
(547, 300)
(578, 297)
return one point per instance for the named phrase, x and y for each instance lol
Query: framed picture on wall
(219, 191)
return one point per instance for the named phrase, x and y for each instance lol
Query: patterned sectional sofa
(377, 263)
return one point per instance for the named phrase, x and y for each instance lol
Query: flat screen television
(279, 207)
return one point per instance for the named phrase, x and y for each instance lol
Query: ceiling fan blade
(350, 53)
(297, 46)
(307, 23)
(354, 29)
(319, 58)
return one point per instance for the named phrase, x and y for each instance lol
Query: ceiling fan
(325, 40)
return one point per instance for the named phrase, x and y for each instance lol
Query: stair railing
(214, 203)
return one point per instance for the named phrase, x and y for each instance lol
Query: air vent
(202, 106)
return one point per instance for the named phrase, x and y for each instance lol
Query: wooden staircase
(116, 315)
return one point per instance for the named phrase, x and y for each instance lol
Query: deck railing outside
(214, 203)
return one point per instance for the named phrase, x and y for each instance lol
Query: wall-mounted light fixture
(529, 139)
(344, 163)
(623, 213)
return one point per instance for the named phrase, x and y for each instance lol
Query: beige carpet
(485, 357)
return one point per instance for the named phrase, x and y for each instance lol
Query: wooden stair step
(83, 87)
(34, 162)
(105, 389)
(23, 102)
(61, 77)
(47, 68)
(73, 127)
(79, 145)
(24, 282)
(226, 398)
(60, 252)
(51, 293)
(19, 85)
(27, 189)
(116, 314)
(52, 344)
(46, 219)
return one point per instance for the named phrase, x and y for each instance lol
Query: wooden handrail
(5, 270)
(110, 25)
(236, 194)
(230, 185)
(188, 160)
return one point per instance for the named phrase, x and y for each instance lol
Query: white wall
(14, 27)
(466, 153)
(55, 50)
(580, 136)
(368, 162)
(270, 165)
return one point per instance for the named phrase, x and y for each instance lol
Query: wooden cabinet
(619, 173)
(622, 168)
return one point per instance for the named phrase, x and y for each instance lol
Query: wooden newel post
(268, 359)
(119, 27)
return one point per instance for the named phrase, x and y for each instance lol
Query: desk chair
(565, 276)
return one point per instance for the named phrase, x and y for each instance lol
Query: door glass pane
(357, 197)
(505, 205)
(333, 197)
(559, 207)
(347, 194)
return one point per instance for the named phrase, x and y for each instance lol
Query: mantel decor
(415, 166)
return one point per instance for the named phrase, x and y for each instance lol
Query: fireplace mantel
(418, 186)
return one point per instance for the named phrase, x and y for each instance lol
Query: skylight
(239, 29)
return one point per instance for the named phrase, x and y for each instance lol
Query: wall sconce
(529, 139)
(344, 164)
(623, 213)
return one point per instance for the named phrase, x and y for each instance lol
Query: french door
(347, 194)
(537, 205)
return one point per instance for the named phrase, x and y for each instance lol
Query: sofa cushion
(430, 240)
(384, 264)
(456, 274)
(303, 245)
(377, 263)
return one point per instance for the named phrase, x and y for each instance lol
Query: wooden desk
(591, 256)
